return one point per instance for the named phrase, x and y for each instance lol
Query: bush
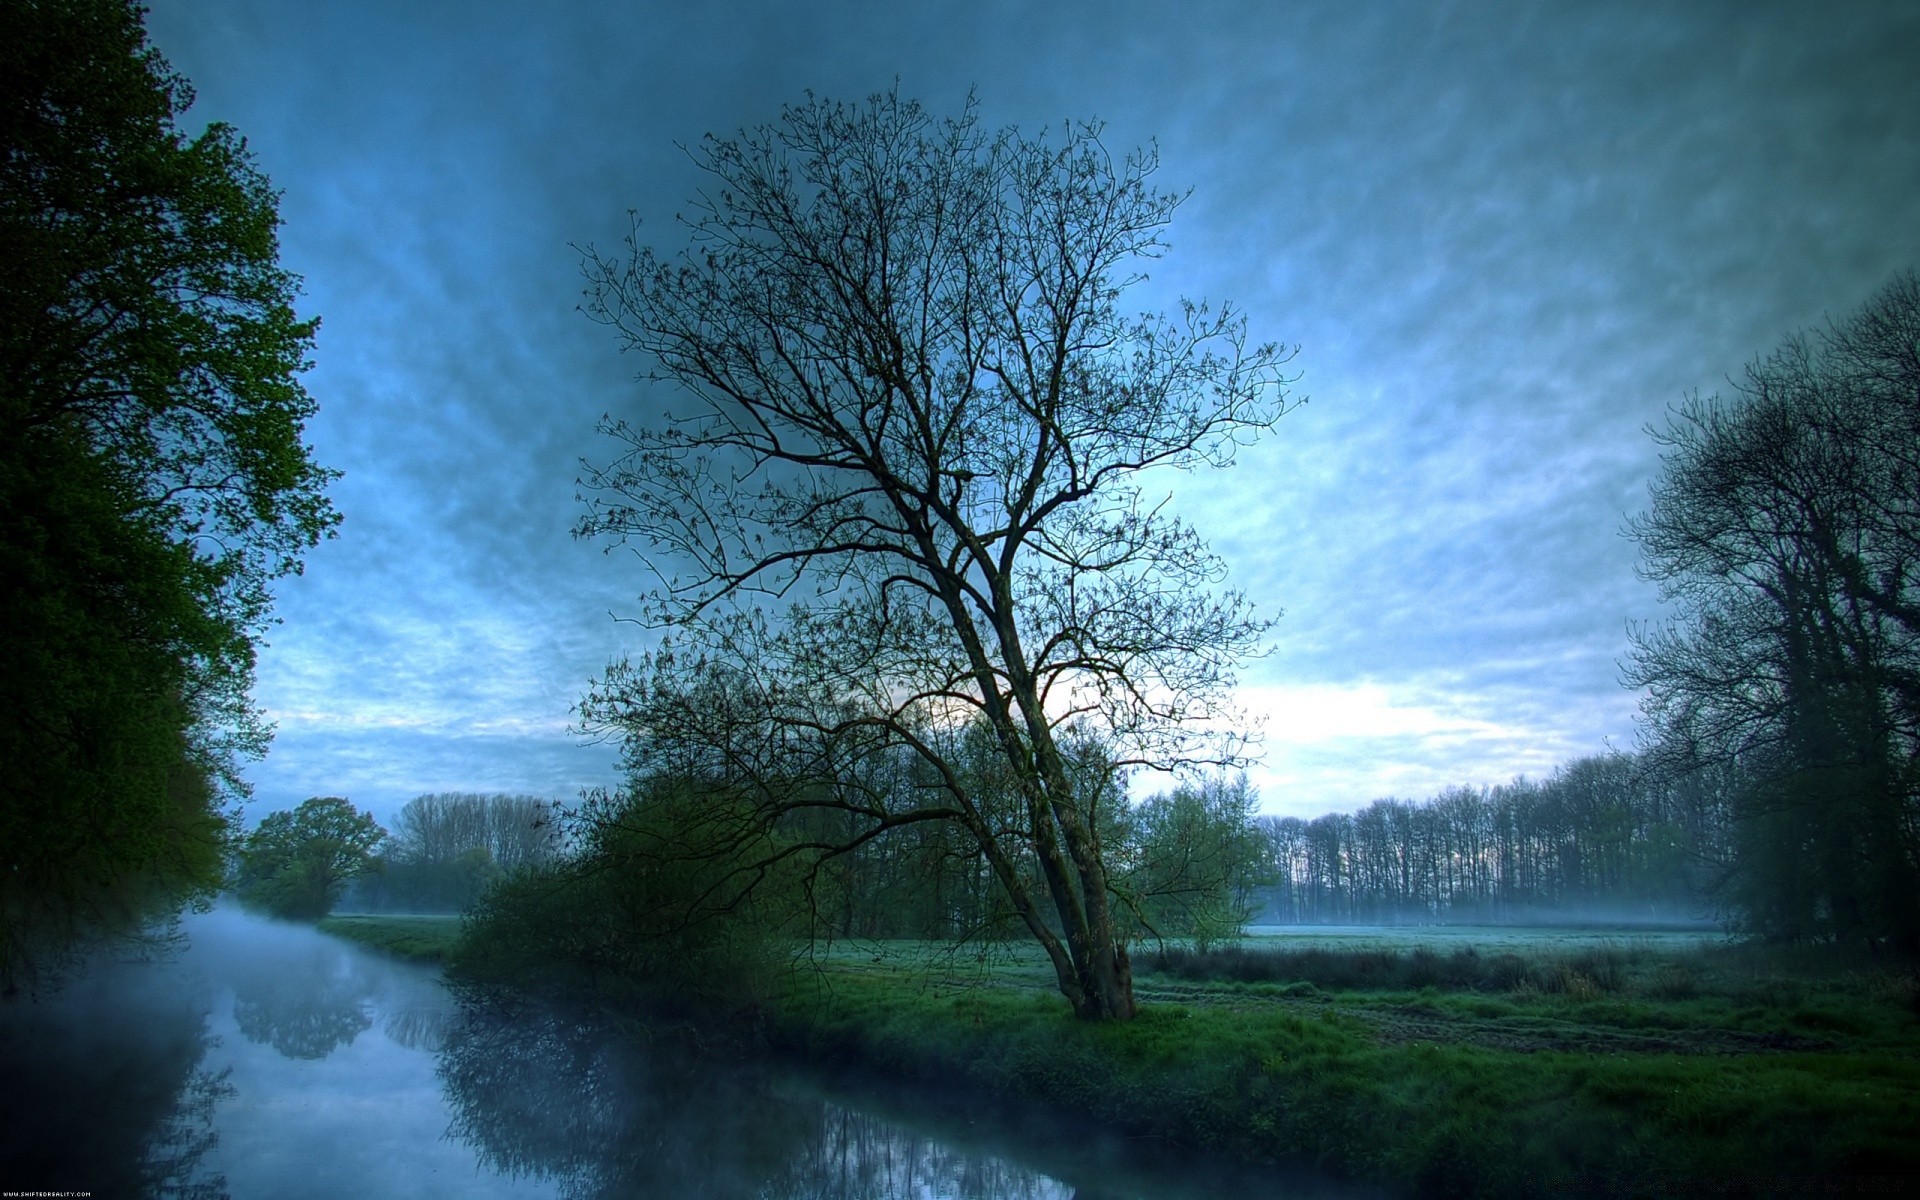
(664, 904)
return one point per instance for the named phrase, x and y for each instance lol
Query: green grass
(1612, 1065)
(423, 939)
(1622, 1084)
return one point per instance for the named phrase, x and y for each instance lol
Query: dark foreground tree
(1785, 527)
(297, 864)
(915, 415)
(153, 481)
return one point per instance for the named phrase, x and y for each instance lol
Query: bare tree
(515, 831)
(917, 418)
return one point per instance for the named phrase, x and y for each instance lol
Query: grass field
(1510, 1063)
(424, 939)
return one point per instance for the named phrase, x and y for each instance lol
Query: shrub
(655, 907)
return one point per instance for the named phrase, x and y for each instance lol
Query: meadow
(421, 938)
(1445, 1062)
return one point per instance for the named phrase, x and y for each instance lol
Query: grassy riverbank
(421, 938)
(1619, 1069)
(1540, 1064)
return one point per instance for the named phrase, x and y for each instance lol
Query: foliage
(297, 864)
(917, 412)
(397, 883)
(152, 478)
(653, 905)
(1785, 529)
(1609, 837)
(1192, 859)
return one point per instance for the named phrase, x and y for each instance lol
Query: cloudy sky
(1505, 237)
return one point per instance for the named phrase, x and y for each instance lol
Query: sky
(1505, 238)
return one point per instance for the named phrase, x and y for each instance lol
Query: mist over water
(289, 1064)
(270, 1060)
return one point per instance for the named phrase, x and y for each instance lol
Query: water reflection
(105, 1091)
(273, 1061)
(417, 1022)
(562, 1097)
(308, 996)
(857, 1157)
(559, 1096)
(306, 1013)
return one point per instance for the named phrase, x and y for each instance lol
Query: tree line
(1603, 838)
(444, 851)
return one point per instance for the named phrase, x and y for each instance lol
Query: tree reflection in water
(560, 1096)
(859, 1157)
(306, 1006)
(307, 996)
(103, 1089)
(417, 1023)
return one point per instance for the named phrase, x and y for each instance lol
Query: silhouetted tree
(916, 413)
(1785, 528)
(153, 481)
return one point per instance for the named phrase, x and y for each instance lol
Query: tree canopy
(1785, 528)
(900, 522)
(447, 848)
(297, 863)
(153, 480)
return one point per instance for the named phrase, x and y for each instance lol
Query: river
(259, 1059)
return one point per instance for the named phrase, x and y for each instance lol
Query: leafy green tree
(153, 480)
(1193, 858)
(296, 864)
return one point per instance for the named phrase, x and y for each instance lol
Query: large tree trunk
(1106, 972)
(1101, 983)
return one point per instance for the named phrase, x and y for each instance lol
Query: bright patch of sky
(1504, 236)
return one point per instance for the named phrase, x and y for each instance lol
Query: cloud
(1332, 746)
(1505, 237)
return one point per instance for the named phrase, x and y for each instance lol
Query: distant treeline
(1604, 837)
(446, 848)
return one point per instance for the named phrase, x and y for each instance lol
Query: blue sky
(1504, 236)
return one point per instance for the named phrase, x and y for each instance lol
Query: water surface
(270, 1060)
